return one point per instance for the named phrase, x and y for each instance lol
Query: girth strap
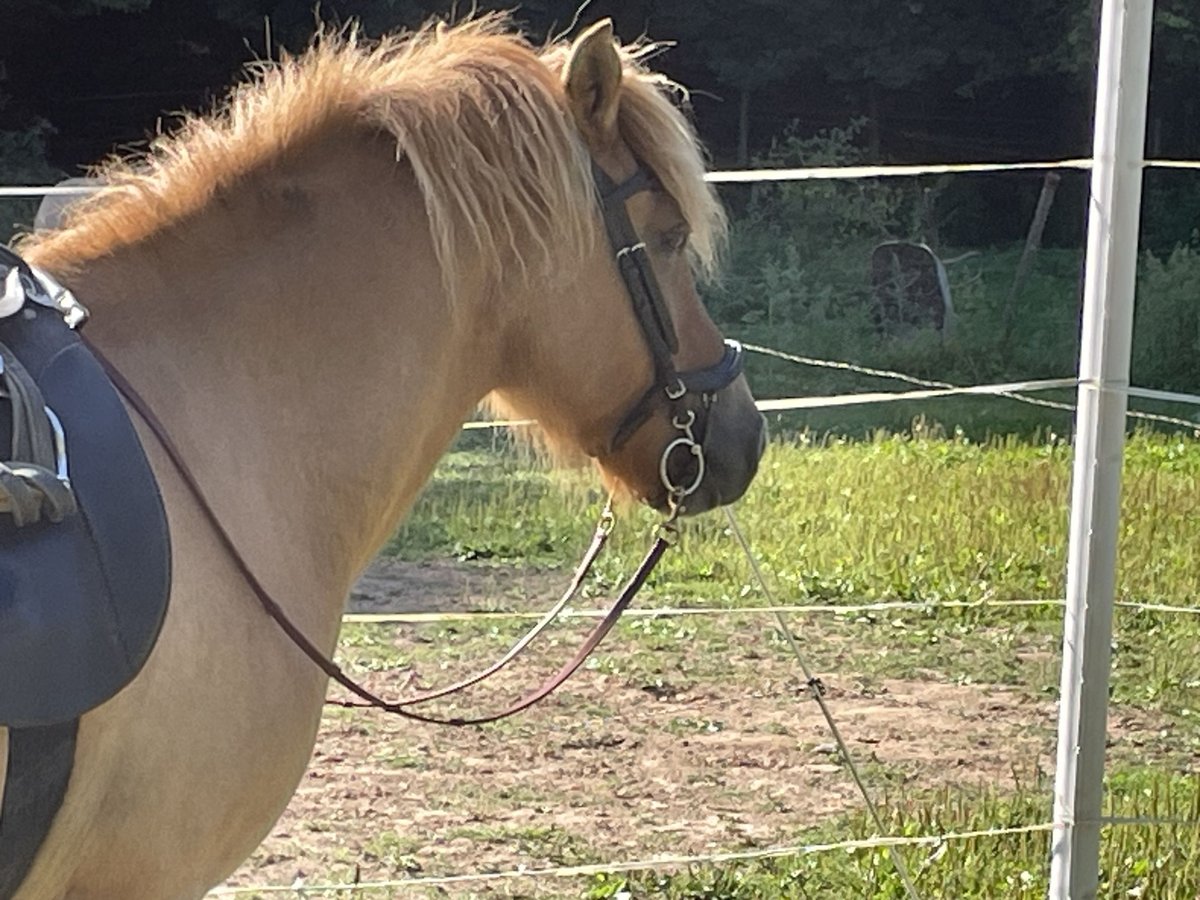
(40, 762)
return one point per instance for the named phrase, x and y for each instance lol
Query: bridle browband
(654, 318)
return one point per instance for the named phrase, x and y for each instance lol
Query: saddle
(84, 547)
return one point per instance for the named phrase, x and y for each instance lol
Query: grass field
(925, 520)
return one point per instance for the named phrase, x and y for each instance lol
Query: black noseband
(654, 318)
(675, 386)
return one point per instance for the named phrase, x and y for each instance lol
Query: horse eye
(676, 240)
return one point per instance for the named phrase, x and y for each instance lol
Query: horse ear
(592, 81)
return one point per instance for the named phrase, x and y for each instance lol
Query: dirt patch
(392, 585)
(641, 754)
(639, 776)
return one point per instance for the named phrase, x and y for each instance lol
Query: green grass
(896, 518)
(923, 519)
(1160, 862)
(1044, 345)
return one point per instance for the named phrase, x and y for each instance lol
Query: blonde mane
(475, 110)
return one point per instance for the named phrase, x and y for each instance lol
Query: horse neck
(296, 341)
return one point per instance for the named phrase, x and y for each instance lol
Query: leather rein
(654, 317)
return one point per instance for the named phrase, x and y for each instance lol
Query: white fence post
(1116, 187)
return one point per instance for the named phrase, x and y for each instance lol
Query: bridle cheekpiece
(654, 319)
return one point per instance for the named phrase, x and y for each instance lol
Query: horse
(313, 288)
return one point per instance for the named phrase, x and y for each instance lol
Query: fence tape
(828, 401)
(824, 401)
(833, 400)
(1172, 164)
(665, 612)
(636, 865)
(54, 190)
(743, 176)
(829, 173)
(871, 843)
(1165, 396)
(931, 390)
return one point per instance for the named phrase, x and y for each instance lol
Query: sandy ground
(615, 768)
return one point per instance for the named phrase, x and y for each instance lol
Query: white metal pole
(1116, 192)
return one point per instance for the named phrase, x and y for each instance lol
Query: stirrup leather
(34, 481)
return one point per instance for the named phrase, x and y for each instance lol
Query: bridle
(654, 318)
(657, 327)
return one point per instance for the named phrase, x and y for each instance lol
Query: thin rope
(637, 865)
(817, 689)
(1007, 391)
(845, 366)
(655, 612)
(934, 389)
(1004, 389)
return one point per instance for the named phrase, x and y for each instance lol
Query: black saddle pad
(81, 601)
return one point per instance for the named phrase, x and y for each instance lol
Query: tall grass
(1160, 862)
(920, 518)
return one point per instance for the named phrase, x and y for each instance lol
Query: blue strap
(721, 375)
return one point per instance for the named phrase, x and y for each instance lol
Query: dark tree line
(932, 80)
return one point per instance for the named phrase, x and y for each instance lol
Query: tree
(67, 8)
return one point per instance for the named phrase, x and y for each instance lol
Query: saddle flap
(82, 601)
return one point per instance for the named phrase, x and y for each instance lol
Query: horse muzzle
(712, 462)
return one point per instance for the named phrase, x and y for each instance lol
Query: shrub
(799, 250)
(1166, 336)
(23, 161)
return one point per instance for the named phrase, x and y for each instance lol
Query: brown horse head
(564, 206)
(628, 365)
